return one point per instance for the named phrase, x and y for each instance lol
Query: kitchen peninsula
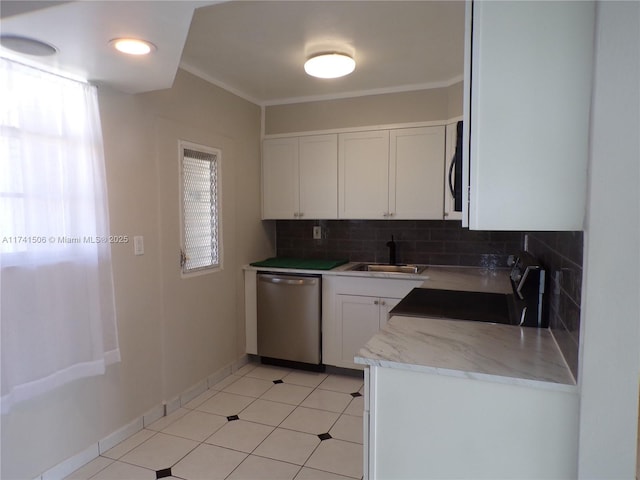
(439, 391)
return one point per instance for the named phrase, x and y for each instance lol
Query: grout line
(125, 463)
(183, 457)
(268, 458)
(103, 468)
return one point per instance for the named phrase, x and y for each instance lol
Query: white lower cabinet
(251, 311)
(360, 317)
(431, 426)
(353, 310)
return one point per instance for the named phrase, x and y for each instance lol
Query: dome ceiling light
(329, 65)
(132, 46)
(27, 46)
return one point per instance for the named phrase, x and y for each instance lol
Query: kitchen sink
(378, 267)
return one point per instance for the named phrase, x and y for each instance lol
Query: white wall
(434, 104)
(610, 344)
(173, 332)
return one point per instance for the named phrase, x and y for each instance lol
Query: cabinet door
(358, 318)
(530, 96)
(280, 178)
(450, 150)
(363, 180)
(415, 173)
(386, 304)
(318, 164)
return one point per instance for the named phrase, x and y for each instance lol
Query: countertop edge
(485, 377)
(342, 270)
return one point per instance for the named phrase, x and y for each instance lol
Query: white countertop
(478, 350)
(474, 279)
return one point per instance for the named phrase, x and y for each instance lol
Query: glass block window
(200, 208)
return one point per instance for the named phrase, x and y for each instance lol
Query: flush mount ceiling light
(329, 65)
(132, 46)
(27, 46)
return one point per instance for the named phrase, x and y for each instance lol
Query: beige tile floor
(283, 424)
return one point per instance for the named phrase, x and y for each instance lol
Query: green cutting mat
(300, 263)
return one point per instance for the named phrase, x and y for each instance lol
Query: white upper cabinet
(318, 173)
(528, 72)
(391, 174)
(300, 177)
(280, 184)
(415, 173)
(363, 176)
(450, 150)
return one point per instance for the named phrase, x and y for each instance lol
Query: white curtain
(57, 308)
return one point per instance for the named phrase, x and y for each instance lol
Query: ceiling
(255, 49)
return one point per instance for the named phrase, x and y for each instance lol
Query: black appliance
(455, 171)
(528, 283)
(521, 307)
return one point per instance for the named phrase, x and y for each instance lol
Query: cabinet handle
(382, 302)
(295, 214)
(376, 302)
(385, 214)
(300, 214)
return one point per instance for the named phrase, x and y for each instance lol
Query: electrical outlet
(317, 232)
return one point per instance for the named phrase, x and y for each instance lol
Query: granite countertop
(477, 350)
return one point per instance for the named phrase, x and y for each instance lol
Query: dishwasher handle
(288, 280)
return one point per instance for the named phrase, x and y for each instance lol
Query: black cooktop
(457, 305)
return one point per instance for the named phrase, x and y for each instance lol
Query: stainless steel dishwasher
(289, 317)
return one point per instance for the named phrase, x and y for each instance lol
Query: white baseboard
(172, 405)
(72, 464)
(193, 392)
(156, 413)
(240, 363)
(111, 440)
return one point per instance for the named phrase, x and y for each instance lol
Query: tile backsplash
(561, 255)
(434, 242)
